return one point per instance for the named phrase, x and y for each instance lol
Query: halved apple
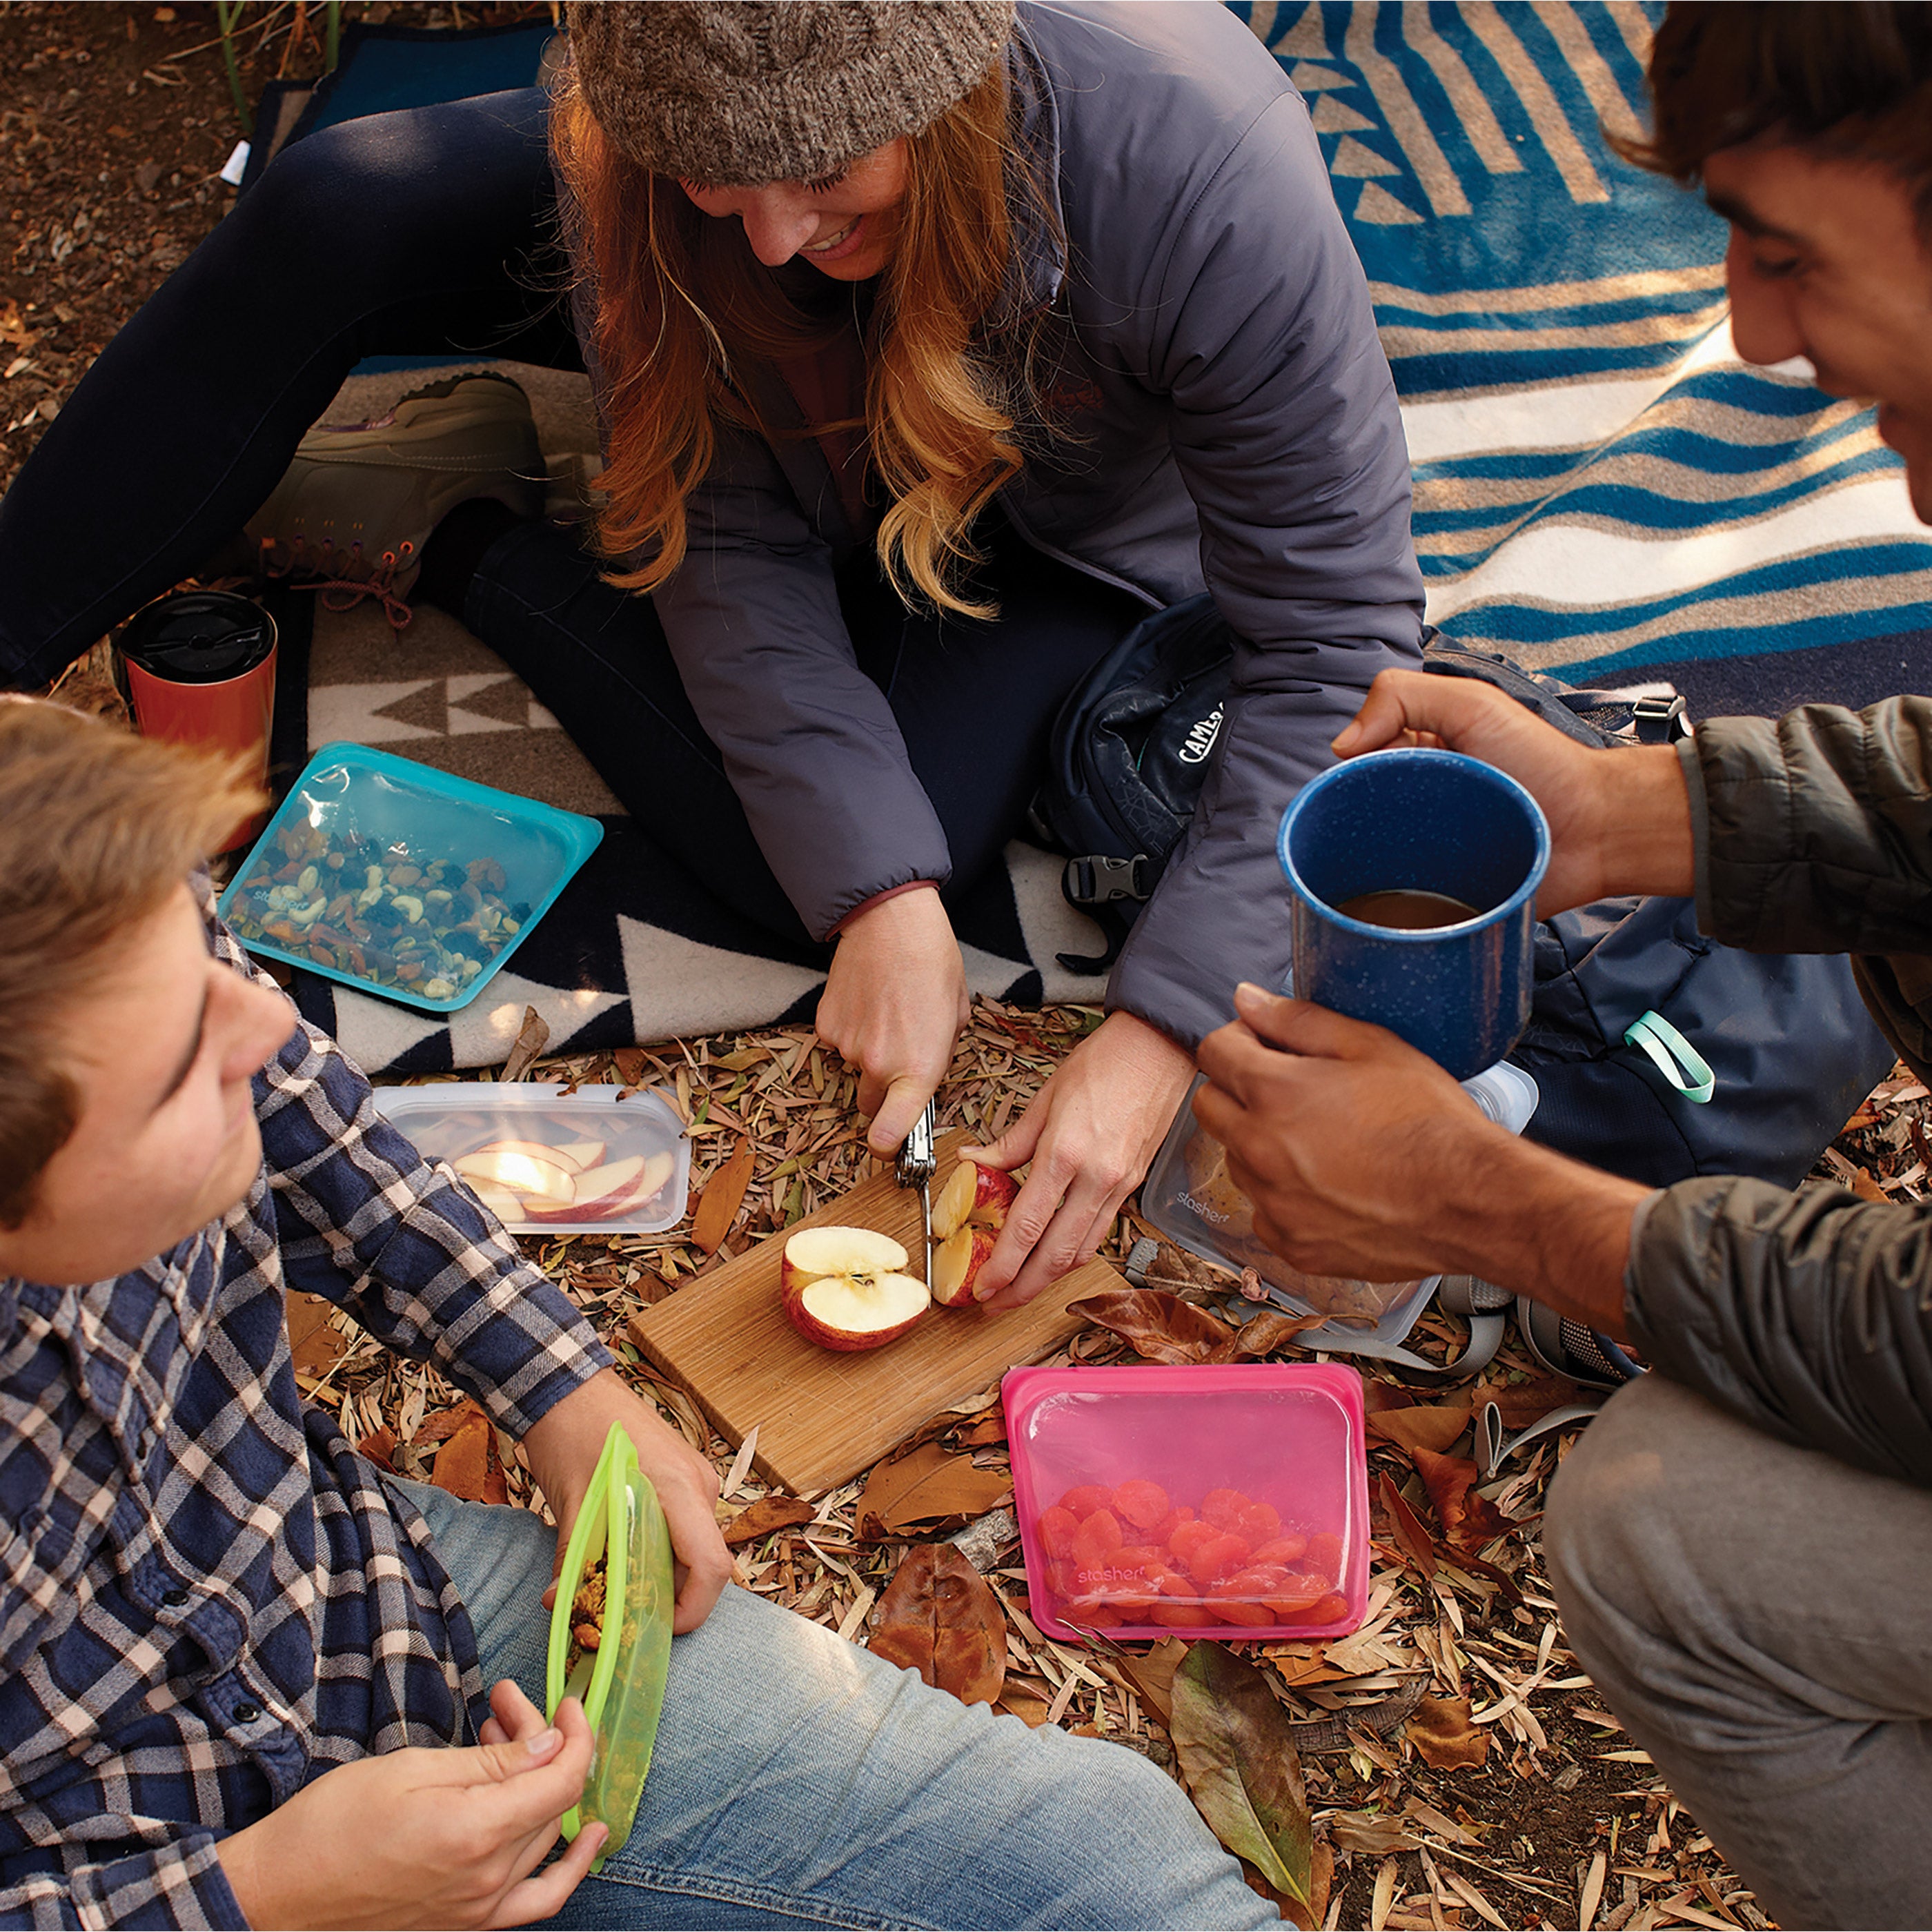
(957, 1261)
(980, 1194)
(533, 1174)
(843, 1288)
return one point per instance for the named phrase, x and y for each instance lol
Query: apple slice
(982, 1195)
(500, 1202)
(594, 1194)
(537, 1177)
(958, 1262)
(581, 1156)
(535, 1150)
(843, 1288)
(650, 1183)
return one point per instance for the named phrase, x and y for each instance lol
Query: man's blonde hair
(97, 827)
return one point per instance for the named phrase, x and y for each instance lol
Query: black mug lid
(198, 636)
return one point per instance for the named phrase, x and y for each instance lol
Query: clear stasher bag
(1189, 1196)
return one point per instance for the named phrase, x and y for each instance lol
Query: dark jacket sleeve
(1286, 430)
(1808, 1316)
(809, 742)
(1814, 835)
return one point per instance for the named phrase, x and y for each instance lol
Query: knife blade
(917, 1162)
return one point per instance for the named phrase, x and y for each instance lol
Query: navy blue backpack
(1659, 1054)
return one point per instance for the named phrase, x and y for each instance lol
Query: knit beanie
(740, 93)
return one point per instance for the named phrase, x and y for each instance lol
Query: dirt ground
(115, 120)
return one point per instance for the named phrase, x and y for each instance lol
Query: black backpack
(1130, 751)
(1789, 1047)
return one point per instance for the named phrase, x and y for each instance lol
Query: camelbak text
(1201, 738)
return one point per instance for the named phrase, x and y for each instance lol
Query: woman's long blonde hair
(684, 309)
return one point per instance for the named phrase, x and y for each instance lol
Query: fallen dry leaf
(1152, 1674)
(939, 1617)
(1468, 1520)
(1162, 1327)
(723, 1195)
(1372, 1833)
(1441, 1732)
(445, 1423)
(631, 1065)
(1421, 1426)
(930, 1487)
(1320, 1877)
(1031, 1710)
(1865, 1187)
(533, 1037)
(1418, 1544)
(984, 1434)
(766, 1514)
(463, 1462)
(1231, 1734)
(379, 1446)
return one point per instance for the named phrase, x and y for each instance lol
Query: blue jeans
(797, 1779)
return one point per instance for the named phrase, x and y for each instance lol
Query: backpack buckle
(1659, 721)
(1098, 879)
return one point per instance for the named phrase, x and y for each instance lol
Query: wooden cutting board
(823, 1416)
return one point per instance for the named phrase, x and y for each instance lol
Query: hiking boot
(350, 518)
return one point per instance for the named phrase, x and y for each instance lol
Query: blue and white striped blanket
(1601, 487)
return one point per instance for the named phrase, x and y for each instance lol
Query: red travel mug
(199, 668)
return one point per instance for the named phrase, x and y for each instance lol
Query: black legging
(432, 231)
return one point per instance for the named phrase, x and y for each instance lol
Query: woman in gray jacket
(935, 346)
(1067, 309)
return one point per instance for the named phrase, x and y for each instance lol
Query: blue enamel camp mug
(1424, 822)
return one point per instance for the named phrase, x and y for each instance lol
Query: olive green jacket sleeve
(1814, 835)
(1809, 1315)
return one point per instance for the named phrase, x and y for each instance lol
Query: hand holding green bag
(621, 1680)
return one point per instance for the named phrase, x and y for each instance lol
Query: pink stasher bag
(1229, 1501)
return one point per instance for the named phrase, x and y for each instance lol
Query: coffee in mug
(1406, 909)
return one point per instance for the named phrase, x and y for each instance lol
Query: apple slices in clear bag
(523, 1180)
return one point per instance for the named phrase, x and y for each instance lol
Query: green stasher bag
(622, 1681)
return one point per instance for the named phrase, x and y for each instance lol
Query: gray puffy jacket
(1809, 1315)
(1234, 428)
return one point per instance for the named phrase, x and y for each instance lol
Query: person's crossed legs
(797, 1779)
(1757, 1616)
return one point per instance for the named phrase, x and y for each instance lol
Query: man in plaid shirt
(250, 1679)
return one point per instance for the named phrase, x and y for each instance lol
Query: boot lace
(341, 575)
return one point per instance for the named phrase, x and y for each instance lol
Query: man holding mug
(1741, 1542)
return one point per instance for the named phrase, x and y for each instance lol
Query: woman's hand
(427, 1837)
(563, 1449)
(893, 1004)
(1090, 1132)
(1619, 820)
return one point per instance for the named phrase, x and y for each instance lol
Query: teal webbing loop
(1674, 1057)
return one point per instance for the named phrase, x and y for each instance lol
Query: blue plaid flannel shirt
(207, 1597)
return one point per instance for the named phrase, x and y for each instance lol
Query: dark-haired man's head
(1810, 124)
